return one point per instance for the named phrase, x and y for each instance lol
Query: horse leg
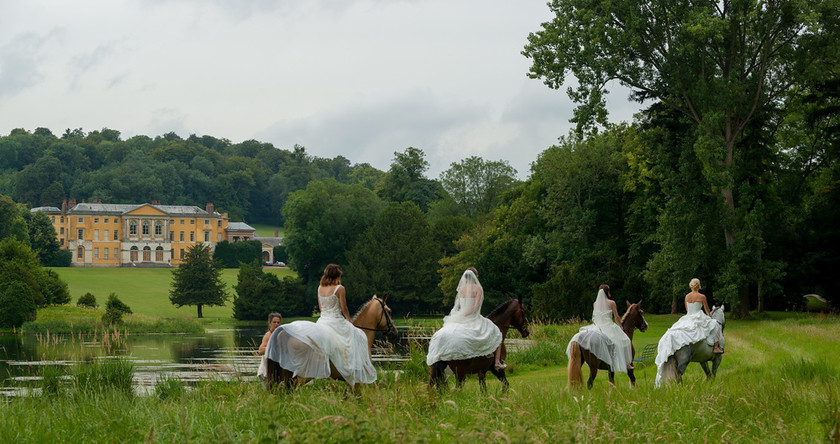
(632, 375)
(500, 373)
(593, 372)
(437, 375)
(611, 375)
(715, 364)
(461, 371)
(705, 366)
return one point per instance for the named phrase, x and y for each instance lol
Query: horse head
(634, 317)
(386, 324)
(717, 314)
(519, 320)
(375, 316)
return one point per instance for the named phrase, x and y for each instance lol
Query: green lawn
(267, 230)
(145, 290)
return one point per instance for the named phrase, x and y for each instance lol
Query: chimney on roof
(83, 201)
(154, 202)
(210, 208)
(72, 203)
(64, 206)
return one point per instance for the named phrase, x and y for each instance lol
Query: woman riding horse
(309, 349)
(465, 333)
(697, 325)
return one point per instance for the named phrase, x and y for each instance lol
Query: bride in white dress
(307, 348)
(617, 352)
(695, 326)
(465, 333)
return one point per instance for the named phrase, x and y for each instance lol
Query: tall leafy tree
(477, 184)
(323, 222)
(42, 236)
(718, 63)
(198, 280)
(396, 255)
(406, 180)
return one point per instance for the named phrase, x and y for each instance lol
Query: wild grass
(777, 383)
(145, 290)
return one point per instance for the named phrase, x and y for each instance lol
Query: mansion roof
(120, 209)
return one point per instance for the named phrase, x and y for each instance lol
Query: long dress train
(616, 350)
(693, 327)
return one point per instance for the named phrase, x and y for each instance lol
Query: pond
(227, 352)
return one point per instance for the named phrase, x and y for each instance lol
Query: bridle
(389, 324)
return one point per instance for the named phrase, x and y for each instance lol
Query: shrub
(169, 388)
(259, 293)
(87, 300)
(51, 380)
(54, 289)
(61, 258)
(112, 316)
(115, 303)
(17, 304)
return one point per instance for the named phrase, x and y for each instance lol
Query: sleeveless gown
(464, 337)
(616, 351)
(306, 348)
(693, 327)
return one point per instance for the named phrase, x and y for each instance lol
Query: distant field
(267, 230)
(145, 290)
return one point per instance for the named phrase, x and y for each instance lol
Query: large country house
(141, 235)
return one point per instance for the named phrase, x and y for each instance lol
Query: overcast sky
(361, 79)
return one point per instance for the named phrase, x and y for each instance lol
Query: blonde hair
(694, 284)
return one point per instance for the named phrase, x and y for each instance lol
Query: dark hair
(332, 275)
(273, 315)
(606, 289)
(475, 272)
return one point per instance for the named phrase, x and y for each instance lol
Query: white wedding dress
(616, 350)
(465, 333)
(306, 348)
(693, 327)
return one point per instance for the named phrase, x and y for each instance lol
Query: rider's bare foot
(501, 366)
(630, 367)
(717, 350)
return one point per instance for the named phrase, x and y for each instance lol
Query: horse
(701, 351)
(633, 318)
(506, 314)
(373, 316)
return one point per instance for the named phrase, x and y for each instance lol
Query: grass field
(778, 382)
(145, 290)
(267, 230)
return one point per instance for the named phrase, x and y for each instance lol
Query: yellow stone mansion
(143, 235)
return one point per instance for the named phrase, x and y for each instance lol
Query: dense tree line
(731, 174)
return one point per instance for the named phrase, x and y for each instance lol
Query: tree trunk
(674, 302)
(761, 295)
(199, 311)
(730, 234)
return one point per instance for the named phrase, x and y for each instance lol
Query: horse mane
(361, 309)
(501, 308)
(626, 313)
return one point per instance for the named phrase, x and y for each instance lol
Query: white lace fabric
(693, 327)
(604, 338)
(306, 348)
(465, 333)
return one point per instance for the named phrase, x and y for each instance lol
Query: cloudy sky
(361, 79)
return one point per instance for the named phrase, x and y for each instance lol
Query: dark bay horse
(374, 316)
(633, 318)
(674, 367)
(506, 314)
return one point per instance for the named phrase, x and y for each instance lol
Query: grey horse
(674, 367)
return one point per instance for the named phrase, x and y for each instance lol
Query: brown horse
(374, 316)
(508, 313)
(633, 318)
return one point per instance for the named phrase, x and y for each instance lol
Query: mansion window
(158, 228)
(171, 236)
(145, 228)
(132, 228)
(220, 224)
(62, 219)
(81, 234)
(219, 237)
(96, 235)
(192, 236)
(182, 253)
(62, 231)
(182, 236)
(81, 220)
(116, 253)
(159, 254)
(106, 235)
(105, 221)
(96, 220)
(96, 253)
(192, 221)
(105, 252)
(206, 236)
(206, 221)
(116, 236)
(147, 254)
(80, 254)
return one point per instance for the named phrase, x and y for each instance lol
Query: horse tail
(667, 372)
(575, 364)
